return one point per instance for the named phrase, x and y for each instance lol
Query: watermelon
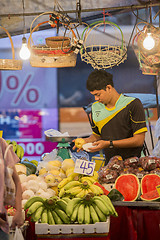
(149, 183)
(151, 196)
(128, 185)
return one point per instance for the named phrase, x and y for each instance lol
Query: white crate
(99, 227)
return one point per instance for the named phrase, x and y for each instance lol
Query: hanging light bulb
(149, 42)
(24, 52)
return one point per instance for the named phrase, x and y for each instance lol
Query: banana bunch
(18, 149)
(90, 209)
(51, 211)
(79, 186)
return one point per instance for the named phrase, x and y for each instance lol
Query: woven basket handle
(98, 23)
(39, 24)
(13, 52)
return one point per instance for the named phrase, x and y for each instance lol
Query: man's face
(102, 96)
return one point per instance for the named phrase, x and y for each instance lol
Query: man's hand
(17, 220)
(99, 145)
(2, 222)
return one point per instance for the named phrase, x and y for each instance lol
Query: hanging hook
(78, 9)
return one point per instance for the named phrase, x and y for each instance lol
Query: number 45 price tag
(84, 167)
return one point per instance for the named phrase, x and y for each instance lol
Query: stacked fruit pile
(78, 185)
(87, 210)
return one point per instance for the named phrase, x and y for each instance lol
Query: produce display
(55, 210)
(137, 166)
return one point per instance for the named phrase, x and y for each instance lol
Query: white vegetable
(43, 185)
(32, 185)
(24, 186)
(22, 178)
(27, 194)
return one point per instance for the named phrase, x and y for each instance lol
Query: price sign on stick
(84, 167)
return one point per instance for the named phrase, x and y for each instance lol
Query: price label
(84, 167)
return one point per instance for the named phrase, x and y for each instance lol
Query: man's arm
(136, 141)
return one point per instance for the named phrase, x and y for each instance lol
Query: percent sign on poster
(23, 90)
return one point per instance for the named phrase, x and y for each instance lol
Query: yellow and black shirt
(123, 121)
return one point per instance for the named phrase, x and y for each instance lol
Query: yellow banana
(90, 179)
(81, 194)
(63, 182)
(62, 192)
(73, 191)
(94, 189)
(71, 185)
(99, 190)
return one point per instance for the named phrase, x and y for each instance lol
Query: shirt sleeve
(137, 117)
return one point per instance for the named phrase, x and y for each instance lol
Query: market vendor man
(118, 121)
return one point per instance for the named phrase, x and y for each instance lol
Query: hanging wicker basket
(102, 55)
(149, 60)
(55, 54)
(10, 64)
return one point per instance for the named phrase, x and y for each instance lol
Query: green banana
(81, 213)
(101, 215)
(32, 200)
(101, 204)
(62, 204)
(57, 219)
(87, 218)
(93, 214)
(66, 199)
(62, 215)
(38, 213)
(20, 151)
(14, 143)
(50, 218)
(75, 213)
(44, 216)
(71, 185)
(8, 141)
(108, 201)
(33, 208)
(71, 205)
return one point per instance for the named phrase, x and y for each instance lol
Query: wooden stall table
(136, 221)
(95, 236)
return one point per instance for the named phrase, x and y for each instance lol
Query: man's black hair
(99, 79)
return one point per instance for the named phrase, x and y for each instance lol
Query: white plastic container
(99, 227)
